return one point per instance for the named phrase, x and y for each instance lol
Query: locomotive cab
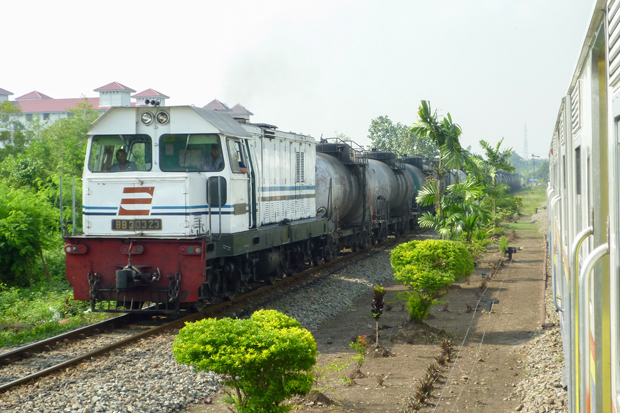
(172, 185)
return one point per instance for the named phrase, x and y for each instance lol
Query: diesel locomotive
(184, 206)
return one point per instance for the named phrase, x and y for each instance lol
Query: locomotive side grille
(613, 31)
(575, 103)
(299, 167)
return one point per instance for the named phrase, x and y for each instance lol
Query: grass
(522, 225)
(532, 198)
(40, 312)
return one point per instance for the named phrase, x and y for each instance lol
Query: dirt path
(487, 358)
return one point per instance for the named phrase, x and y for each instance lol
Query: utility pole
(533, 156)
(525, 143)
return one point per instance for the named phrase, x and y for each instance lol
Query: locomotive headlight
(147, 118)
(162, 118)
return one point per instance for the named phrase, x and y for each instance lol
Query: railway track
(62, 351)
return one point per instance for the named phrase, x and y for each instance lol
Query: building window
(29, 117)
(46, 116)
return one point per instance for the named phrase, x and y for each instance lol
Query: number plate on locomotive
(136, 224)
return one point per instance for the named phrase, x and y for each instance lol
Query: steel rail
(212, 310)
(43, 345)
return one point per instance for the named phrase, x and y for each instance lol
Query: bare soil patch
(486, 363)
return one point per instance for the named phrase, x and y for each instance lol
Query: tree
(28, 225)
(13, 135)
(463, 212)
(445, 135)
(386, 136)
(62, 145)
(495, 161)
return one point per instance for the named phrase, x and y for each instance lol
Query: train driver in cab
(213, 161)
(122, 164)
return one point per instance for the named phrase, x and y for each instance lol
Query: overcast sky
(315, 67)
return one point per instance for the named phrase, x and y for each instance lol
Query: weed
(348, 380)
(381, 378)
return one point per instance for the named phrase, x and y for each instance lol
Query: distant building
(238, 112)
(48, 109)
(38, 105)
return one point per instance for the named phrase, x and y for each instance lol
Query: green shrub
(36, 313)
(417, 308)
(503, 244)
(27, 227)
(428, 266)
(265, 359)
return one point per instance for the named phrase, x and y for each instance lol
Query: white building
(48, 109)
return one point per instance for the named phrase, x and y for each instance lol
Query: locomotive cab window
(120, 153)
(236, 154)
(191, 153)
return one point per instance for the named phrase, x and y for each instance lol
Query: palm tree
(445, 135)
(496, 160)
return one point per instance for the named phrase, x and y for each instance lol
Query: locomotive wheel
(317, 259)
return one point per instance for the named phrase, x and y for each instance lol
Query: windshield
(120, 153)
(190, 152)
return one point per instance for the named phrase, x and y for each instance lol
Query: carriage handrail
(584, 321)
(554, 201)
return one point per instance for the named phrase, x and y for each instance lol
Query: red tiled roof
(150, 93)
(114, 86)
(240, 110)
(216, 105)
(33, 95)
(55, 105)
(5, 92)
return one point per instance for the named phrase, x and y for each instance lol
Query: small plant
(446, 347)
(433, 370)
(424, 388)
(413, 405)
(381, 378)
(377, 309)
(348, 380)
(503, 244)
(320, 373)
(441, 359)
(360, 345)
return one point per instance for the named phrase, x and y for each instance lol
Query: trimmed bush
(265, 359)
(428, 266)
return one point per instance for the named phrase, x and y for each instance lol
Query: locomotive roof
(225, 124)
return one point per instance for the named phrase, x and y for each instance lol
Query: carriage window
(190, 153)
(120, 153)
